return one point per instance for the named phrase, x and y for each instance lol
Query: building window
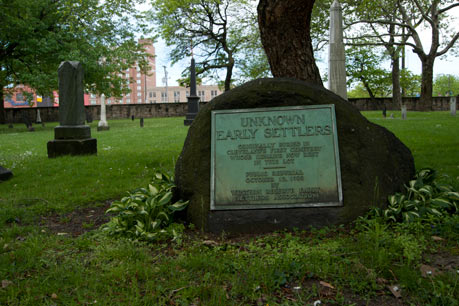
(127, 75)
(164, 96)
(154, 94)
(128, 101)
(93, 95)
(213, 93)
(151, 101)
(138, 74)
(93, 101)
(176, 96)
(201, 94)
(150, 94)
(187, 93)
(128, 94)
(139, 87)
(139, 94)
(138, 81)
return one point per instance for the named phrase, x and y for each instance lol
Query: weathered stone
(336, 55)
(5, 174)
(72, 132)
(71, 94)
(60, 147)
(103, 124)
(374, 163)
(72, 137)
(193, 99)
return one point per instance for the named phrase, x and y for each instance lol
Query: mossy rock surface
(374, 163)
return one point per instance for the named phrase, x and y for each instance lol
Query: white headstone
(403, 111)
(336, 58)
(102, 125)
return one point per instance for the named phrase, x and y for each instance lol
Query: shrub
(425, 200)
(147, 213)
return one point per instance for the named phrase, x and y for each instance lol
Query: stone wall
(120, 111)
(366, 104)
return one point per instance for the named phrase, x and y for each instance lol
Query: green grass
(433, 138)
(126, 158)
(39, 267)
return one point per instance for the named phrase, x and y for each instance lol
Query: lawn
(44, 260)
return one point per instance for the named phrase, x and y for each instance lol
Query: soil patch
(78, 221)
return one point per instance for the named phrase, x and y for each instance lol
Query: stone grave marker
(141, 122)
(280, 153)
(336, 55)
(193, 99)
(89, 118)
(72, 136)
(103, 124)
(5, 174)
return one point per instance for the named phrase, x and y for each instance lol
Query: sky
(443, 65)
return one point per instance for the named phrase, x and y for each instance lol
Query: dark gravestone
(193, 99)
(132, 117)
(27, 122)
(5, 174)
(141, 122)
(384, 112)
(374, 163)
(88, 116)
(72, 136)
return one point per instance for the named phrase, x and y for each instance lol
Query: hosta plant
(425, 199)
(147, 213)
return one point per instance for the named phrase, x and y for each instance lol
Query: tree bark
(285, 35)
(396, 88)
(425, 101)
(2, 106)
(229, 73)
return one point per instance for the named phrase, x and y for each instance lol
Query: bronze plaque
(275, 158)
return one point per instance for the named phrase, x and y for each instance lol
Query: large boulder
(374, 163)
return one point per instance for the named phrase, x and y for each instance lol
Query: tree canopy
(216, 31)
(36, 35)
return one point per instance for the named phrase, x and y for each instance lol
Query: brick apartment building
(143, 90)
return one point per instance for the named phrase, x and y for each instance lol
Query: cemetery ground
(52, 251)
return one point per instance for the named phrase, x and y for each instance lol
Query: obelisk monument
(336, 58)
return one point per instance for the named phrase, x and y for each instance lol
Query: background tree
(217, 29)
(36, 35)
(285, 35)
(434, 15)
(446, 85)
(363, 66)
(410, 82)
(412, 17)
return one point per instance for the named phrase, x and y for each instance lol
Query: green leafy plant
(147, 213)
(426, 199)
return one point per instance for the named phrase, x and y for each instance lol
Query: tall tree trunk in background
(284, 30)
(425, 102)
(2, 106)
(396, 89)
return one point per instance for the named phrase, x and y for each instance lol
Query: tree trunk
(285, 35)
(2, 106)
(396, 88)
(229, 73)
(425, 102)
